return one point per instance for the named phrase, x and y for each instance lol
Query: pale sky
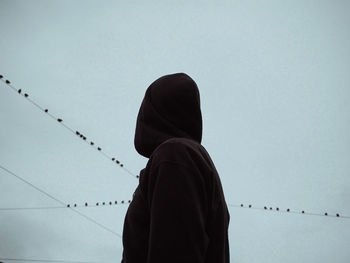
(274, 83)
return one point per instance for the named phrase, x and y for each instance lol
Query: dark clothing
(178, 212)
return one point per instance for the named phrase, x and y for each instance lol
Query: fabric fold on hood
(170, 108)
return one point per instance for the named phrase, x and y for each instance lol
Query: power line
(45, 260)
(63, 124)
(61, 202)
(288, 210)
(31, 208)
(85, 205)
(103, 204)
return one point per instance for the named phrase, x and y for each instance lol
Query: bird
(7, 81)
(110, 203)
(123, 202)
(1, 76)
(277, 209)
(288, 210)
(98, 148)
(113, 159)
(103, 203)
(117, 161)
(337, 215)
(97, 204)
(241, 205)
(250, 206)
(115, 202)
(137, 176)
(265, 207)
(68, 205)
(302, 212)
(121, 165)
(129, 201)
(26, 95)
(326, 214)
(86, 204)
(77, 133)
(75, 205)
(91, 143)
(59, 120)
(46, 110)
(19, 91)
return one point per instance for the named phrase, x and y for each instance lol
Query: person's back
(178, 212)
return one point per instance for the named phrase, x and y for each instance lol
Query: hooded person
(178, 212)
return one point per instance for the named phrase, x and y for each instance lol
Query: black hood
(170, 108)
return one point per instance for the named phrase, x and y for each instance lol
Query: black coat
(178, 212)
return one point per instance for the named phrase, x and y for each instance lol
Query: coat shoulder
(172, 150)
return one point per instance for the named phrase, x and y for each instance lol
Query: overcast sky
(274, 84)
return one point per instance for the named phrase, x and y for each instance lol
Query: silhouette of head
(170, 108)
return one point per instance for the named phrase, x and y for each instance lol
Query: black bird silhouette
(241, 205)
(97, 204)
(1, 76)
(46, 110)
(59, 120)
(337, 215)
(117, 161)
(19, 91)
(77, 133)
(326, 214)
(121, 165)
(91, 143)
(7, 81)
(68, 205)
(26, 95)
(86, 204)
(123, 202)
(288, 210)
(103, 203)
(115, 202)
(113, 159)
(98, 148)
(250, 206)
(110, 203)
(265, 207)
(303, 212)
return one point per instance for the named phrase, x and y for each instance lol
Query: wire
(45, 260)
(64, 125)
(61, 202)
(277, 209)
(288, 210)
(86, 205)
(31, 208)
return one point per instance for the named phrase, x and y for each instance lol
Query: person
(178, 212)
